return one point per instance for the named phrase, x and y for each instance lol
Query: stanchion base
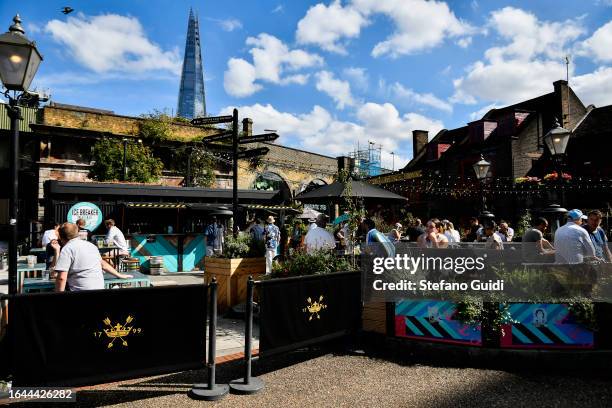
(201, 392)
(239, 387)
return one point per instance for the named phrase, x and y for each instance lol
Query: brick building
(440, 180)
(56, 143)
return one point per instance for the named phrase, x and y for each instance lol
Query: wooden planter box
(232, 276)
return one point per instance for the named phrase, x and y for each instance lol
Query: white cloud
(357, 76)
(507, 81)
(411, 97)
(594, 88)
(419, 25)
(330, 26)
(525, 66)
(320, 132)
(271, 60)
(229, 24)
(338, 90)
(529, 37)
(599, 45)
(278, 9)
(239, 79)
(112, 43)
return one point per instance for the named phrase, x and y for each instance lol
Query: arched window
(272, 181)
(312, 185)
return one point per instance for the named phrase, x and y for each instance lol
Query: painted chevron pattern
(544, 325)
(433, 320)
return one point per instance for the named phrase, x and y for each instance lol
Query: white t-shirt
(319, 238)
(494, 242)
(115, 236)
(572, 244)
(452, 235)
(48, 236)
(82, 260)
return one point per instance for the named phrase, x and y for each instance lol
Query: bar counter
(180, 252)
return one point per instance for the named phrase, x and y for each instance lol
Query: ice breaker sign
(87, 211)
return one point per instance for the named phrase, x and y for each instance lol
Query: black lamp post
(556, 140)
(125, 168)
(19, 61)
(481, 168)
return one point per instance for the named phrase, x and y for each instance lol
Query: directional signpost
(211, 120)
(266, 137)
(219, 137)
(247, 154)
(236, 155)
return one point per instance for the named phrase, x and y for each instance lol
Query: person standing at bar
(271, 240)
(115, 237)
(84, 233)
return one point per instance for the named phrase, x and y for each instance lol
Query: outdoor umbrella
(338, 220)
(308, 214)
(353, 188)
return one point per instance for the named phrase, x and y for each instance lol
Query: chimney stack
(345, 162)
(247, 127)
(419, 141)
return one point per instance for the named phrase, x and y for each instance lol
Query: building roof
(55, 188)
(597, 123)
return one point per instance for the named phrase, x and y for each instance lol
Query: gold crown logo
(118, 331)
(314, 308)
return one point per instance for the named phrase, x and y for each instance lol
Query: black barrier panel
(296, 312)
(99, 336)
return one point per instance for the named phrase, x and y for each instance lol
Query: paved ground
(230, 332)
(302, 379)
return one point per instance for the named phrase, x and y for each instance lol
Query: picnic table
(35, 285)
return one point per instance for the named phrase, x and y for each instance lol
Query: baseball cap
(575, 215)
(398, 225)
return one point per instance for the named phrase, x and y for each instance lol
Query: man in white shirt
(505, 233)
(318, 238)
(572, 242)
(50, 234)
(79, 263)
(115, 237)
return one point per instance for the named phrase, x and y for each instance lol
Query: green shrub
(318, 263)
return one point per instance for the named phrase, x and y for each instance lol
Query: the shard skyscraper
(192, 98)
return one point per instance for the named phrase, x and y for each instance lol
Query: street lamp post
(124, 171)
(556, 140)
(481, 168)
(19, 61)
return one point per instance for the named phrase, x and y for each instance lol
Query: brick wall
(524, 149)
(106, 122)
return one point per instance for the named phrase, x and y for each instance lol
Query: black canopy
(353, 188)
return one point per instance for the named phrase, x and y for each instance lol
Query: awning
(269, 207)
(155, 205)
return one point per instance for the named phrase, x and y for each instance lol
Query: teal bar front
(180, 252)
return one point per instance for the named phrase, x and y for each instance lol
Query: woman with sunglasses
(434, 235)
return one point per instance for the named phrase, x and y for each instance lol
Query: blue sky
(326, 75)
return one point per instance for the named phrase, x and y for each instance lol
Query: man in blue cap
(572, 242)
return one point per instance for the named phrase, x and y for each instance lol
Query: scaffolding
(367, 161)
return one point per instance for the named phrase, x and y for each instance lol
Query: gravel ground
(333, 380)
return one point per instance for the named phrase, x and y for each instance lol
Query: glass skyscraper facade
(192, 99)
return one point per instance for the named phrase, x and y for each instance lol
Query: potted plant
(241, 257)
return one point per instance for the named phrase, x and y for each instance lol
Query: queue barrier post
(248, 384)
(210, 391)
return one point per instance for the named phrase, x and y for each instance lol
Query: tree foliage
(202, 166)
(143, 167)
(155, 127)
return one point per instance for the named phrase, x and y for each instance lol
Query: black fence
(301, 311)
(79, 338)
